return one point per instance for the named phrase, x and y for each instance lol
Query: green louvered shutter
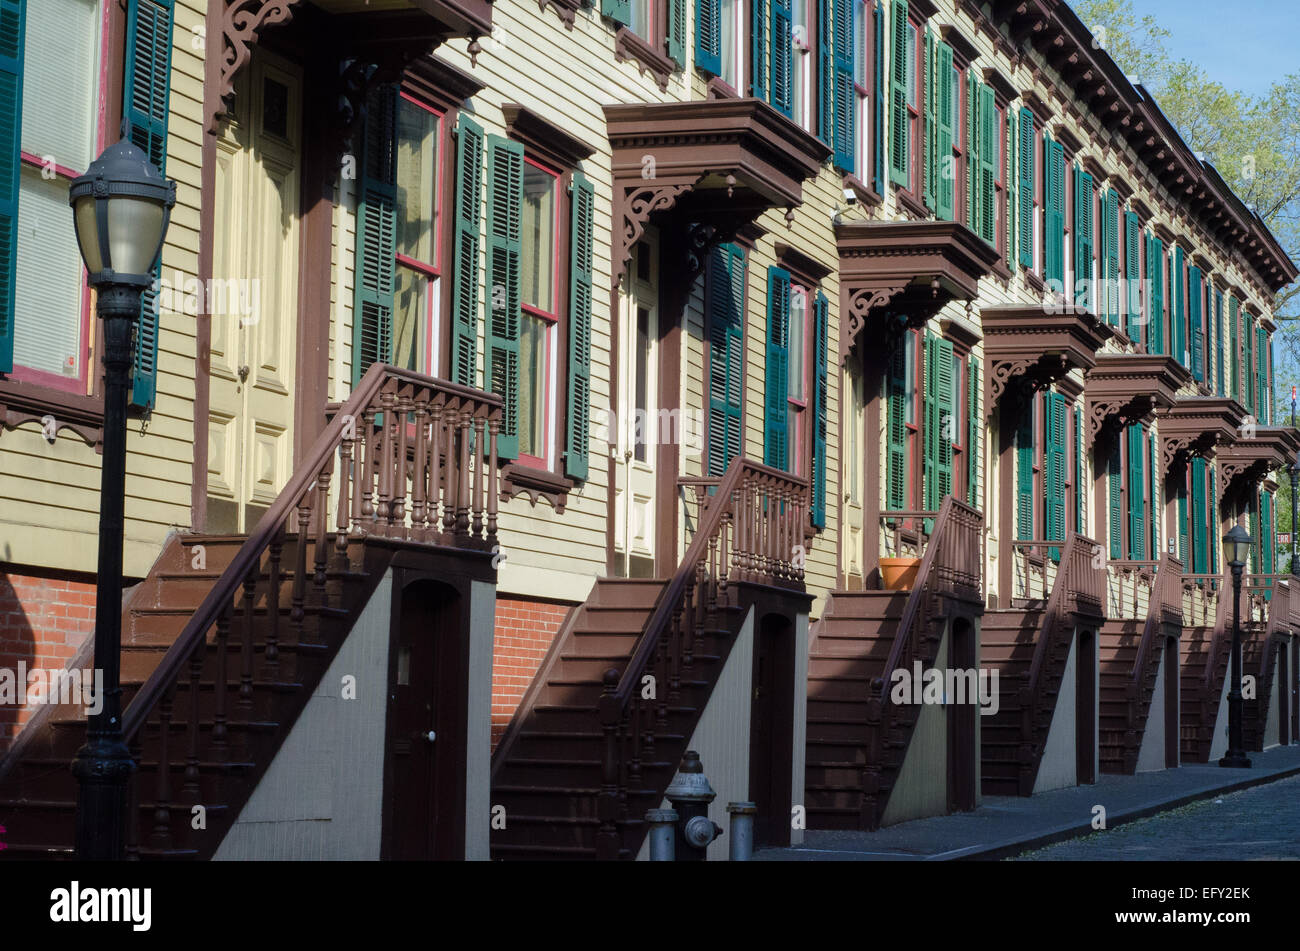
(1209, 355)
(825, 73)
(776, 436)
(973, 429)
(1156, 305)
(758, 42)
(1080, 494)
(945, 418)
(620, 11)
(930, 127)
(1180, 308)
(1025, 133)
(726, 314)
(844, 114)
(1194, 322)
(1184, 548)
(580, 281)
(1154, 492)
(1213, 537)
(708, 35)
(1261, 375)
(1132, 278)
(896, 429)
(372, 329)
(1200, 553)
(878, 112)
(1249, 323)
(1110, 212)
(898, 82)
(1009, 176)
(1266, 541)
(1254, 533)
(505, 196)
(468, 238)
(782, 67)
(675, 31)
(1054, 190)
(946, 169)
(972, 151)
(1054, 472)
(820, 401)
(988, 170)
(1083, 232)
(1234, 354)
(930, 423)
(1218, 342)
(1114, 487)
(147, 83)
(1136, 512)
(1025, 473)
(11, 100)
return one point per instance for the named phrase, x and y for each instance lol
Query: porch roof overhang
(717, 163)
(1126, 388)
(1195, 425)
(1035, 346)
(905, 268)
(1256, 453)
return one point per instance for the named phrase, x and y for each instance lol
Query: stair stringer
(1057, 764)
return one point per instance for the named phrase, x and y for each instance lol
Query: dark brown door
(771, 730)
(413, 729)
(1085, 708)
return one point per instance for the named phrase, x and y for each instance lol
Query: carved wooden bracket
(241, 24)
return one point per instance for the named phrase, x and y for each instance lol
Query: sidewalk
(1008, 825)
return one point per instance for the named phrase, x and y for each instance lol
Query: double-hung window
(417, 274)
(539, 274)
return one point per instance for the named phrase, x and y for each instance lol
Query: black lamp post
(121, 209)
(1236, 549)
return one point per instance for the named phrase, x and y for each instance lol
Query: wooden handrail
(1169, 578)
(1077, 552)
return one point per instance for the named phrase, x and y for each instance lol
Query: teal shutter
(1184, 549)
(972, 151)
(1009, 176)
(1083, 233)
(467, 238)
(504, 201)
(1080, 495)
(1054, 471)
(372, 316)
(939, 417)
(620, 11)
(776, 438)
(825, 57)
(898, 82)
(1218, 343)
(1025, 134)
(1054, 231)
(580, 281)
(929, 423)
(844, 113)
(11, 123)
(1194, 321)
(1132, 278)
(1200, 554)
(1110, 224)
(988, 157)
(758, 43)
(1136, 512)
(820, 399)
(146, 86)
(1025, 473)
(1156, 305)
(782, 66)
(974, 426)
(1213, 536)
(896, 429)
(930, 129)
(1154, 491)
(1234, 354)
(1180, 308)
(708, 35)
(878, 112)
(725, 316)
(1249, 333)
(675, 31)
(1114, 486)
(1266, 539)
(1254, 533)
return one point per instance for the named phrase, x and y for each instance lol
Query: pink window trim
(551, 319)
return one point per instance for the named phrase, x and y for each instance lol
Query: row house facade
(533, 392)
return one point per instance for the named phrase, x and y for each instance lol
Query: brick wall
(524, 631)
(44, 621)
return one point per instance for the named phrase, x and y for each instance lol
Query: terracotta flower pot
(899, 574)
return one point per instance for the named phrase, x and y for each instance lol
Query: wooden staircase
(1030, 649)
(225, 640)
(601, 731)
(857, 738)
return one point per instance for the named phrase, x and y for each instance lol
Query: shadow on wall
(17, 647)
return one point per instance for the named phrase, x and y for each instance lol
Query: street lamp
(121, 208)
(1236, 549)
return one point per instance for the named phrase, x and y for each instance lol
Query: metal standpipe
(690, 794)
(741, 847)
(663, 834)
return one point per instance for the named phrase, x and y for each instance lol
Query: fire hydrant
(690, 794)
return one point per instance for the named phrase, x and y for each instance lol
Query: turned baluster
(190, 789)
(661, 677)
(420, 472)
(451, 481)
(245, 701)
(607, 837)
(319, 575)
(161, 836)
(220, 736)
(493, 487)
(297, 613)
(690, 629)
(634, 738)
(369, 442)
(477, 495)
(271, 658)
(133, 805)
(387, 463)
(675, 671)
(462, 476)
(347, 480)
(398, 517)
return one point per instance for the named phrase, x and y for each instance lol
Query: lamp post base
(1235, 759)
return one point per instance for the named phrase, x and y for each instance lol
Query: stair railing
(399, 431)
(1164, 605)
(751, 528)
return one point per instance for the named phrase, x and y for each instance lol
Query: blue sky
(1244, 44)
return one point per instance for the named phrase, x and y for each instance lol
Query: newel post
(607, 837)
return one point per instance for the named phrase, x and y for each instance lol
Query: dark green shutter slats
(1083, 235)
(973, 429)
(930, 131)
(1248, 332)
(844, 113)
(1254, 533)
(939, 415)
(759, 48)
(372, 330)
(146, 85)
(1234, 322)
(1110, 261)
(675, 31)
(782, 65)
(825, 53)
(1025, 473)
(1054, 215)
(946, 109)
(504, 204)
(11, 101)
(1218, 340)
(468, 238)
(776, 437)
(726, 311)
(1132, 278)
(987, 216)
(1080, 498)
(1156, 304)
(878, 112)
(583, 214)
(899, 78)
(1054, 471)
(1184, 548)
(1153, 487)
(1136, 487)
(1025, 134)
(1213, 514)
(620, 11)
(1179, 334)
(820, 400)
(1194, 319)
(708, 35)
(1114, 487)
(896, 429)
(1200, 519)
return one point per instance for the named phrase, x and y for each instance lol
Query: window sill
(1035, 282)
(22, 402)
(520, 479)
(1001, 271)
(567, 9)
(865, 194)
(629, 46)
(909, 204)
(719, 89)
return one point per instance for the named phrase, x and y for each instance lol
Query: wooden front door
(771, 730)
(253, 300)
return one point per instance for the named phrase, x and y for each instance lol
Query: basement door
(771, 730)
(254, 295)
(413, 726)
